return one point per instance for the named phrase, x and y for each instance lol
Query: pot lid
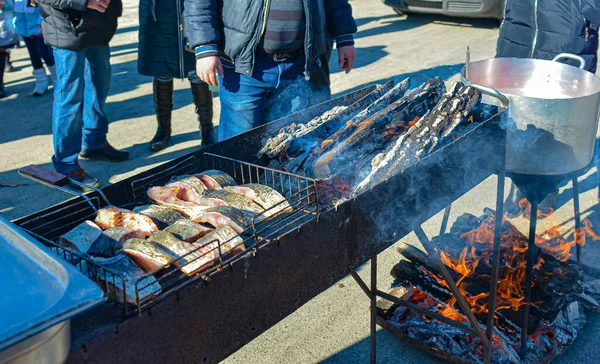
(39, 289)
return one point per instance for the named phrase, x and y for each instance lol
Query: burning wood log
(290, 136)
(363, 137)
(421, 138)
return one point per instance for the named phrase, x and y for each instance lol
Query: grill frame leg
(577, 217)
(532, 253)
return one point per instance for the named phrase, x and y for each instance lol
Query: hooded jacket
(27, 20)
(69, 24)
(8, 37)
(233, 28)
(544, 28)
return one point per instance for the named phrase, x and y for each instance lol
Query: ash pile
(561, 303)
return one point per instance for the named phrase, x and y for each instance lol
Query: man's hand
(346, 57)
(205, 68)
(98, 5)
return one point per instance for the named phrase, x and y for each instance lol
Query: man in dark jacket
(79, 31)
(265, 52)
(544, 29)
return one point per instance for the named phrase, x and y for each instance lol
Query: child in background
(8, 38)
(28, 24)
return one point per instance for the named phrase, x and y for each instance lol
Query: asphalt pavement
(333, 327)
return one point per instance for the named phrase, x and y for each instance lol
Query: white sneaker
(52, 70)
(41, 82)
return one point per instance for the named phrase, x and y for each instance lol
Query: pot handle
(570, 56)
(493, 93)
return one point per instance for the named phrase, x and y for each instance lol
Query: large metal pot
(553, 112)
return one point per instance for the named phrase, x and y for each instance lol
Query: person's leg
(203, 100)
(95, 122)
(243, 97)
(97, 86)
(67, 109)
(293, 92)
(162, 88)
(45, 51)
(3, 57)
(39, 72)
(36, 60)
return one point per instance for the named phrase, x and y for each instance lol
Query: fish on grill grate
(187, 230)
(146, 254)
(422, 137)
(269, 199)
(215, 180)
(122, 265)
(190, 260)
(111, 217)
(163, 216)
(224, 238)
(191, 181)
(81, 237)
(236, 200)
(110, 241)
(169, 197)
(220, 216)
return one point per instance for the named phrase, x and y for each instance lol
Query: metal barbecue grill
(314, 249)
(300, 193)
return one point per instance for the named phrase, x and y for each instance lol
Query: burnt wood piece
(422, 137)
(360, 138)
(294, 135)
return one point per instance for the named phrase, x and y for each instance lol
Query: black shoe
(79, 175)
(203, 101)
(160, 139)
(106, 152)
(163, 105)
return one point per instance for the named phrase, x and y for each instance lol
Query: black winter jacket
(544, 28)
(69, 24)
(161, 49)
(234, 27)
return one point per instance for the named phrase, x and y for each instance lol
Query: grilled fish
(268, 198)
(189, 260)
(81, 237)
(163, 216)
(111, 241)
(123, 265)
(187, 230)
(215, 180)
(238, 219)
(228, 239)
(146, 254)
(191, 181)
(169, 197)
(235, 200)
(111, 217)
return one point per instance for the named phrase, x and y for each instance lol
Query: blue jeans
(78, 119)
(274, 90)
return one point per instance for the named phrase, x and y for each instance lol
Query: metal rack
(206, 260)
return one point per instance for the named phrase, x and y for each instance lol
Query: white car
(458, 8)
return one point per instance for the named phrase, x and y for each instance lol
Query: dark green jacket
(161, 50)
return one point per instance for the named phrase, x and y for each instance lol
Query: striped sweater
(285, 28)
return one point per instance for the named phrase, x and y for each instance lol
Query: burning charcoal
(573, 312)
(398, 314)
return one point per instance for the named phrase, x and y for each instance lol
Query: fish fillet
(268, 198)
(81, 237)
(111, 241)
(237, 219)
(146, 254)
(111, 217)
(215, 180)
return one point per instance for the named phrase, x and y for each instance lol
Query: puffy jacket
(161, 49)
(544, 28)
(27, 19)
(233, 28)
(69, 24)
(8, 36)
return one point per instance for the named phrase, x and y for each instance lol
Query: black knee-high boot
(163, 104)
(204, 109)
